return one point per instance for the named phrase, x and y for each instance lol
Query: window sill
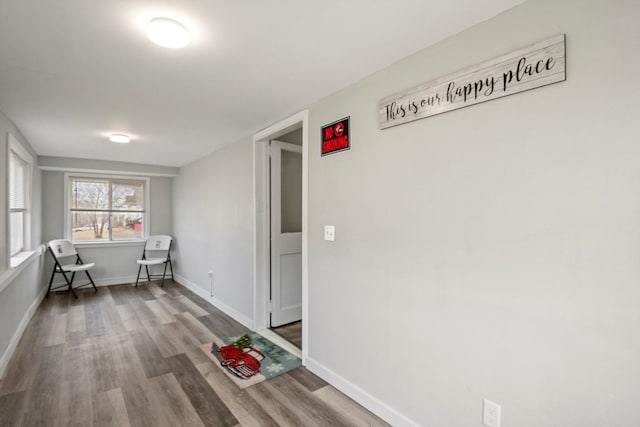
(18, 263)
(109, 244)
(18, 259)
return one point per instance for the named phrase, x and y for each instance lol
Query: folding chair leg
(138, 278)
(70, 282)
(148, 276)
(91, 280)
(171, 268)
(163, 274)
(53, 273)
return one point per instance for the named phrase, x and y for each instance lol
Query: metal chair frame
(155, 261)
(59, 268)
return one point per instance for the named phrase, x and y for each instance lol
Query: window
(20, 162)
(106, 209)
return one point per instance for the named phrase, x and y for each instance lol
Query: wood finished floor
(129, 356)
(291, 332)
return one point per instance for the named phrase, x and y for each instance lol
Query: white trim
(14, 145)
(261, 218)
(109, 244)
(288, 146)
(15, 339)
(8, 276)
(66, 227)
(279, 341)
(19, 258)
(261, 267)
(202, 293)
(105, 171)
(373, 404)
(305, 235)
(108, 281)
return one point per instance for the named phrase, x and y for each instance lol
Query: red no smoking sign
(335, 137)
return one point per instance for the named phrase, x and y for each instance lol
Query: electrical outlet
(490, 413)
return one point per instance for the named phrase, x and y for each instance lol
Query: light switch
(330, 233)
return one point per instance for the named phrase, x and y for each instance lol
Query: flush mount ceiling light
(119, 138)
(166, 32)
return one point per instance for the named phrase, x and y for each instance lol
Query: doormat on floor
(250, 358)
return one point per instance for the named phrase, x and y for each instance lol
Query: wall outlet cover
(490, 413)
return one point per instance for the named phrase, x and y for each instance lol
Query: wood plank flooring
(128, 356)
(291, 332)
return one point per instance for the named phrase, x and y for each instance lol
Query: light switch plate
(330, 233)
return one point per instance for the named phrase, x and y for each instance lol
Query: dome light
(168, 33)
(119, 138)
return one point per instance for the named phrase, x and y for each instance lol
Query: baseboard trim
(13, 344)
(202, 293)
(116, 281)
(99, 282)
(365, 399)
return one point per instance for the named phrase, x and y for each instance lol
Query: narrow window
(20, 162)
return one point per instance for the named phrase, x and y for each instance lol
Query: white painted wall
(20, 289)
(489, 252)
(293, 137)
(213, 225)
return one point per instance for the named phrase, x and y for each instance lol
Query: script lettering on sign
(538, 65)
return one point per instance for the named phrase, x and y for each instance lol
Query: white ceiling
(74, 71)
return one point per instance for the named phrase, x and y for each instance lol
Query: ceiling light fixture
(119, 138)
(166, 32)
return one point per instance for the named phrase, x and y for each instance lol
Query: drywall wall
(20, 289)
(293, 137)
(96, 166)
(213, 225)
(493, 251)
(121, 266)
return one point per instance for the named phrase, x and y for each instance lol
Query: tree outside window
(106, 209)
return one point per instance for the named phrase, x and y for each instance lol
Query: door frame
(261, 275)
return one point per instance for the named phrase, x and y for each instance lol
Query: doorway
(288, 261)
(285, 213)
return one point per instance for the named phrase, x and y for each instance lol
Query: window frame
(15, 148)
(146, 213)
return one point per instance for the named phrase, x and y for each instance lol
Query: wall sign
(531, 67)
(335, 137)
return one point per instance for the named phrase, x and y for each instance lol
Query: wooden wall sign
(335, 137)
(531, 67)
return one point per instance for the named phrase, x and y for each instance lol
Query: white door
(286, 233)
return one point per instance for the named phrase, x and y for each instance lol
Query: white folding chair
(157, 251)
(63, 251)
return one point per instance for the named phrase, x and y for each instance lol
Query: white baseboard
(99, 282)
(15, 339)
(202, 293)
(370, 402)
(115, 281)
